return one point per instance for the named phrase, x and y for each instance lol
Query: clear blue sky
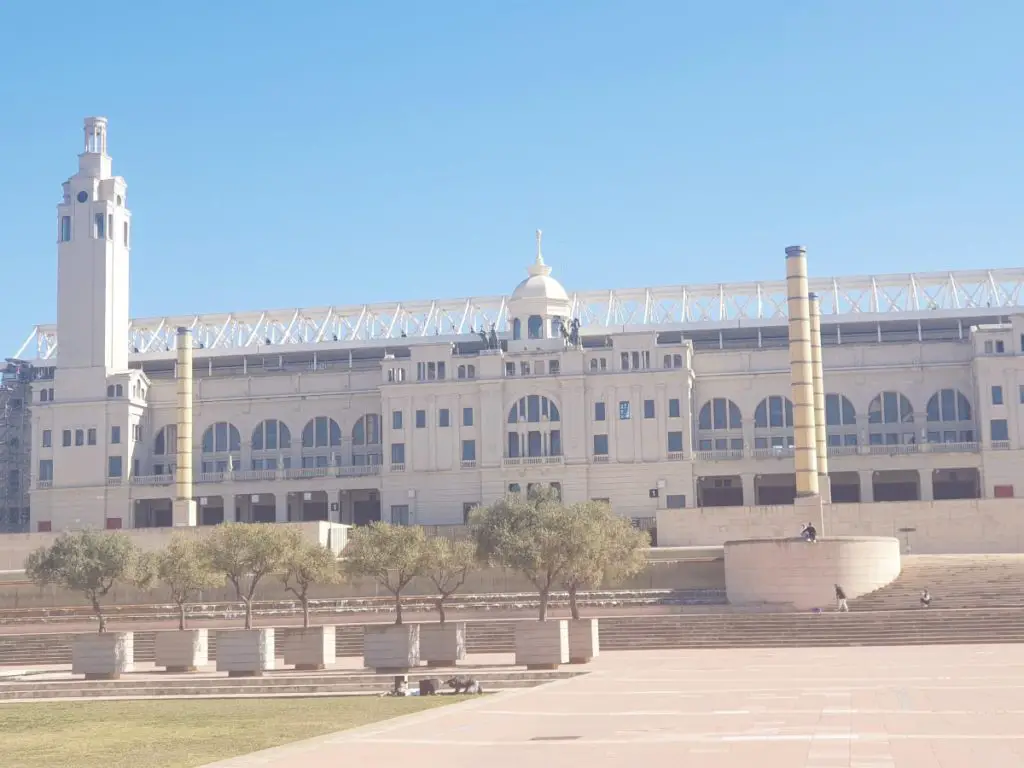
(311, 153)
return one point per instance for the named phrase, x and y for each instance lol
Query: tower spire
(540, 256)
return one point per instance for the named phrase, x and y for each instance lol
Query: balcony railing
(518, 461)
(265, 475)
(468, 464)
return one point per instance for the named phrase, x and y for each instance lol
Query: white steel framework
(672, 307)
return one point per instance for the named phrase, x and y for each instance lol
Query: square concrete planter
(310, 647)
(443, 645)
(391, 648)
(103, 656)
(584, 644)
(183, 650)
(542, 644)
(245, 652)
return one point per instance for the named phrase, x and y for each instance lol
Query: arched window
(773, 423)
(673, 361)
(467, 371)
(719, 426)
(535, 327)
(366, 440)
(526, 441)
(271, 435)
(221, 448)
(517, 329)
(166, 441)
(891, 420)
(840, 421)
(945, 409)
(321, 432)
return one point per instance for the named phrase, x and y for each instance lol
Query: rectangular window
(79, 437)
(421, 419)
(624, 412)
(66, 438)
(600, 445)
(399, 514)
(1000, 347)
(554, 367)
(115, 435)
(675, 501)
(441, 370)
(99, 227)
(396, 419)
(92, 436)
(469, 450)
(675, 442)
(673, 408)
(1020, 393)
(444, 418)
(136, 432)
(126, 234)
(113, 466)
(47, 438)
(65, 229)
(598, 411)
(110, 226)
(467, 417)
(648, 409)
(46, 470)
(398, 453)
(524, 368)
(999, 430)
(997, 395)
(510, 369)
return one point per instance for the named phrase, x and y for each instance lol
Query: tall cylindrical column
(818, 375)
(184, 507)
(801, 372)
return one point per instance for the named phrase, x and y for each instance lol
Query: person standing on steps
(926, 598)
(841, 605)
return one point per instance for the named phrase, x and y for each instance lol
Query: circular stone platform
(803, 575)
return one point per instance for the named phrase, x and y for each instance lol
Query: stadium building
(413, 412)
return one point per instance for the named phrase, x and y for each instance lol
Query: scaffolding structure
(15, 445)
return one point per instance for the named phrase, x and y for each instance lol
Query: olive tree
(602, 546)
(185, 569)
(307, 563)
(391, 555)
(245, 553)
(526, 534)
(90, 562)
(449, 562)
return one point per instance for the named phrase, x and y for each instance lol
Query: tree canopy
(307, 563)
(245, 553)
(185, 569)
(449, 562)
(391, 555)
(90, 562)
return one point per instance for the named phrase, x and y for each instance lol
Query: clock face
(83, 196)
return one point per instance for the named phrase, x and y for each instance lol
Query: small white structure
(245, 652)
(443, 645)
(391, 647)
(542, 644)
(584, 641)
(310, 647)
(103, 656)
(182, 650)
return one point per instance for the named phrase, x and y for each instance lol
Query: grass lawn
(181, 733)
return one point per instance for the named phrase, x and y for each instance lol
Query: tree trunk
(544, 604)
(99, 614)
(440, 608)
(181, 615)
(398, 608)
(305, 611)
(248, 612)
(573, 607)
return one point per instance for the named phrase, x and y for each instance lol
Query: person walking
(926, 598)
(841, 605)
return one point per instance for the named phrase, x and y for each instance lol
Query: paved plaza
(903, 707)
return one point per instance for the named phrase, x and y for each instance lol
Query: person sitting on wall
(810, 533)
(926, 598)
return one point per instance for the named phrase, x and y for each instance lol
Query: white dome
(540, 286)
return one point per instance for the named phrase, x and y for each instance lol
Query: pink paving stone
(902, 707)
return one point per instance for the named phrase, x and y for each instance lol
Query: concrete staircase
(732, 630)
(955, 581)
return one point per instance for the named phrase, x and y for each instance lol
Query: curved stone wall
(797, 573)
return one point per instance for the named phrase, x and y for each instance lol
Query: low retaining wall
(801, 574)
